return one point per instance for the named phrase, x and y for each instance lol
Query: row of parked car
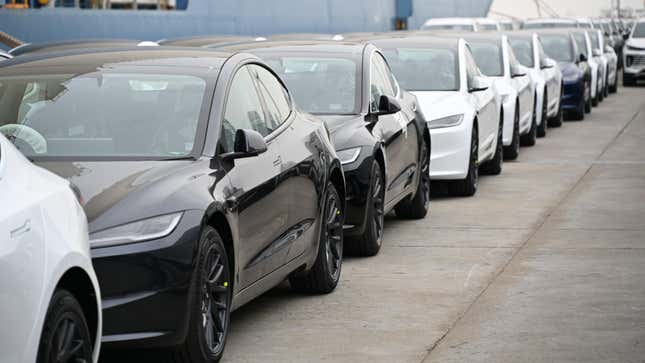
(186, 177)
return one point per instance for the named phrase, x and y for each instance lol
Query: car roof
(71, 44)
(350, 49)
(206, 40)
(550, 20)
(456, 20)
(305, 36)
(522, 34)
(418, 39)
(89, 60)
(491, 36)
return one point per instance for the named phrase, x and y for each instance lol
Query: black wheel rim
(68, 344)
(333, 235)
(378, 202)
(425, 175)
(474, 155)
(215, 299)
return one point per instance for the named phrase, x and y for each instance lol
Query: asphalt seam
(530, 237)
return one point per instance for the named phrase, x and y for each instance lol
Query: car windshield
(523, 51)
(488, 57)
(487, 26)
(464, 27)
(582, 43)
(320, 85)
(639, 31)
(102, 114)
(411, 65)
(558, 47)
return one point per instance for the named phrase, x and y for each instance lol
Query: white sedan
(458, 102)
(608, 61)
(546, 78)
(496, 59)
(583, 40)
(49, 296)
(451, 24)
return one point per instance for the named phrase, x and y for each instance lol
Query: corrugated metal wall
(226, 17)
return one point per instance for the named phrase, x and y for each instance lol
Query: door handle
(26, 227)
(277, 161)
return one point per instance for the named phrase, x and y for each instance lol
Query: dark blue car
(560, 45)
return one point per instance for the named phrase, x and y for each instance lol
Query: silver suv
(634, 55)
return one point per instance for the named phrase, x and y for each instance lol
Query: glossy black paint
(393, 139)
(266, 207)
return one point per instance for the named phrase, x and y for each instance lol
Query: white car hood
(636, 42)
(438, 104)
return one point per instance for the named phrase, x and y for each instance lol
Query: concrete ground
(545, 264)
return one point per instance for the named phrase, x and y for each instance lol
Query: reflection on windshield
(488, 57)
(102, 114)
(523, 51)
(319, 85)
(558, 47)
(424, 69)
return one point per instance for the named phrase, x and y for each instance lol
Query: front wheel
(512, 151)
(65, 337)
(417, 207)
(541, 129)
(211, 306)
(494, 166)
(529, 138)
(369, 242)
(324, 275)
(468, 187)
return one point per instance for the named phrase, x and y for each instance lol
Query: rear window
(425, 69)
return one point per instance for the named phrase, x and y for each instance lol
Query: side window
(275, 97)
(243, 109)
(380, 83)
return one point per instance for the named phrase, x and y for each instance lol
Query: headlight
(348, 156)
(449, 121)
(143, 230)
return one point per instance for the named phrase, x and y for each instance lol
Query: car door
(302, 168)
(22, 253)
(259, 195)
(487, 110)
(392, 129)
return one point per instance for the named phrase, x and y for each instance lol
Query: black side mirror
(517, 71)
(583, 58)
(387, 105)
(248, 143)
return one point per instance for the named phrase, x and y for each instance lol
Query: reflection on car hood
(104, 184)
(347, 131)
(439, 104)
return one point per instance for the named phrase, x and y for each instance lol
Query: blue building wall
(253, 17)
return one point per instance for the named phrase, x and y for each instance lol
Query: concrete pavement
(545, 263)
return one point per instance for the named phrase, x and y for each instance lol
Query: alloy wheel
(68, 343)
(425, 175)
(333, 235)
(215, 300)
(474, 155)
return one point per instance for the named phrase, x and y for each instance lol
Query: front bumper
(450, 151)
(634, 64)
(573, 95)
(146, 287)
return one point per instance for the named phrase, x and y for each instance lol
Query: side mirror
(248, 143)
(517, 71)
(626, 36)
(478, 84)
(387, 105)
(549, 63)
(583, 58)
(596, 52)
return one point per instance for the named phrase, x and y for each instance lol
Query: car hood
(347, 131)
(636, 42)
(438, 104)
(115, 192)
(569, 69)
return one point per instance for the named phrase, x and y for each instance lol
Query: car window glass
(581, 42)
(488, 57)
(243, 109)
(275, 97)
(523, 51)
(639, 31)
(379, 81)
(410, 68)
(558, 47)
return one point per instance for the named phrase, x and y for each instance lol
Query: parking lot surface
(544, 264)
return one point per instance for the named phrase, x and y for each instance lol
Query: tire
(541, 128)
(579, 113)
(417, 207)
(588, 101)
(628, 80)
(596, 100)
(601, 94)
(614, 88)
(65, 331)
(211, 304)
(494, 166)
(512, 151)
(369, 242)
(468, 187)
(324, 275)
(556, 121)
(606, 88)
(530, 138)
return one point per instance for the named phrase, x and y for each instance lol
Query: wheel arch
(78, 283)
(337, 178)
(219, 222)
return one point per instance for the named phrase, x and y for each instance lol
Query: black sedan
(203, 185)
(383, 144)
(559, 44)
